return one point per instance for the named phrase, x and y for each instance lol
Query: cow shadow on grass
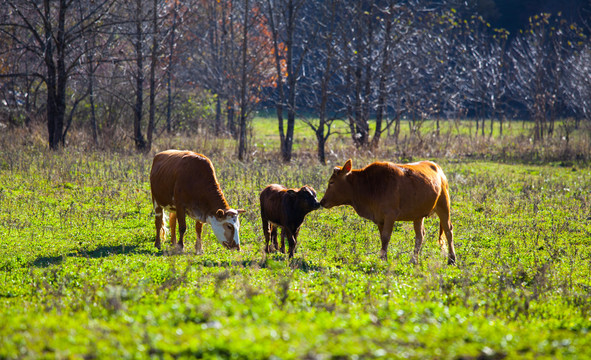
(99, 252)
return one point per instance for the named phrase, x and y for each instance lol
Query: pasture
(80, 276)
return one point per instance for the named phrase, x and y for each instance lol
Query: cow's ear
(347, 167)
(241, 211)
(220, 213)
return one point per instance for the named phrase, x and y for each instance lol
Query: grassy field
(81, 278)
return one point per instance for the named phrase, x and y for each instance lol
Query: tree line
(142, 68)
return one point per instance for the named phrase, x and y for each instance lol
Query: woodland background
(121, 73)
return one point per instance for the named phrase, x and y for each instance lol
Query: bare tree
(577, 85)
(244, 84)
(291, 43)
(320, 86)
(56, 44)
(538, 57)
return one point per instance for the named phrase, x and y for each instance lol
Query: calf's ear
(308, 189)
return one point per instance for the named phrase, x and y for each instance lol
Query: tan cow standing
(184, 184)
(384, 193)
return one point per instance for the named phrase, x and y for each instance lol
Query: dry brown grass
(452, 144)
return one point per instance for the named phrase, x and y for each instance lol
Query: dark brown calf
(285, 208)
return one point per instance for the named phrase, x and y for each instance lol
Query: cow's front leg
(385, 228)
(419, 237)
(198, 244)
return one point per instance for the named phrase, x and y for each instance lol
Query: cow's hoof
(451, 261)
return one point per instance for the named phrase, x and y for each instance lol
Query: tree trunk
(93, 123)
(140, 143)
(280, 79)
(382, 84)
(153, 64)
(231, 121)
(320, 138)
(291, 81)
(218, 115)
(169, 71)
(243, 105)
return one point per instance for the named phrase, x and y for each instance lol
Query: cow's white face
(226, 225)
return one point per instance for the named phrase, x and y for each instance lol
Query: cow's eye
(229, 226)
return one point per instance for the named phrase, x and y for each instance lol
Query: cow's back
(185, 178)
(409, 190)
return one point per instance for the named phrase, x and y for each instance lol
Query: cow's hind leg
(198, 244)
(445, 227)
(172, 226)
(158, 222)
(419, 237)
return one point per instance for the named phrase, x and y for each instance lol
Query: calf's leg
(275, 245)
(283, 235)
(291, 240)
(266, 231)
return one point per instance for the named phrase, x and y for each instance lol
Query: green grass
(80, 277)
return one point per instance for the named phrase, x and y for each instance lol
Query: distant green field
(80, 277)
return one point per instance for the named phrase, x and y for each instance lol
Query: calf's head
(226, 225)
(339, 189)
(305, 198)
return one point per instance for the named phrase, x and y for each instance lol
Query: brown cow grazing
(285, 208)
(384, 192)
(184, 183)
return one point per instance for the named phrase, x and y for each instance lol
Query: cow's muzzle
(231, 245)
